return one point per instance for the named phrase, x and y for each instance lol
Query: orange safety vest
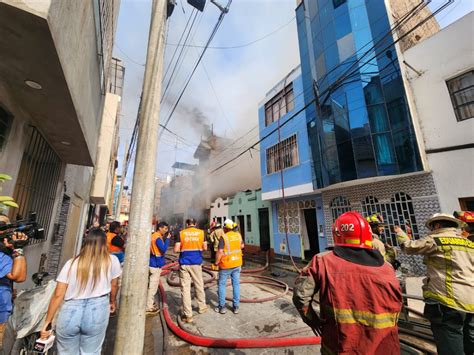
(232, 251)
(112, 248)
(191, 239)
(154, 250)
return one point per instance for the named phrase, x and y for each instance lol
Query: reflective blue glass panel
(364, 157)
(386, 161)
(378, 118)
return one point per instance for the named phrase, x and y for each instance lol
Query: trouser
(153, 283)
(234, 274)
(81, 326)
(213, 256)
(453, 330)
(188, 274)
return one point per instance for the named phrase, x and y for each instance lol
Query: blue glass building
(361, 126)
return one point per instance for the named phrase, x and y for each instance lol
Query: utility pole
(131, 321)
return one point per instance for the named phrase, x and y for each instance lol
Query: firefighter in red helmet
(359, 295)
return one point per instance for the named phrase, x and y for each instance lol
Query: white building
(441, 76)
(220, 210)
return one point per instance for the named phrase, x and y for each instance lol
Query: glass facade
(360, 124)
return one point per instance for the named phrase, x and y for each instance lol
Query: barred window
(282, 155)
(249, 223)
(461, 90)
(279, 105)
(292, 215)
(339, 205)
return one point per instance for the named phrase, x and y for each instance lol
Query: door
(312, 230)
(241, 226)
(264, 229)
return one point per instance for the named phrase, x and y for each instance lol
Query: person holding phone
(87, 290)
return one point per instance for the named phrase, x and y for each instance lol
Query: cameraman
(12, 269)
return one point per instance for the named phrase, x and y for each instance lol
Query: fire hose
(199, 340)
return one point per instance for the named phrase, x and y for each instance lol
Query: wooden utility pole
(131, 321)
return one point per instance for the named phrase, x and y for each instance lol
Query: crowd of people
(353, 282)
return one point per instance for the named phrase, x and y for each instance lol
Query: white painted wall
(441, 57)
(220, 208)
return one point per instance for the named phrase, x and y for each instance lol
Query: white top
(102, 286)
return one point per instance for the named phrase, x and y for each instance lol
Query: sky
(229, 83)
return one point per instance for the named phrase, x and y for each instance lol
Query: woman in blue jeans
(88, 286)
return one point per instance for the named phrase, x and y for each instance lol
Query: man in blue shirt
(12, 269)
(158, 247)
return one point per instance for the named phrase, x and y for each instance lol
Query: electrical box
(197, 4)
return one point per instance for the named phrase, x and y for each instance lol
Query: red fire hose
(232, 343)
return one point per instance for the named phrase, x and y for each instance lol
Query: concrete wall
(102, 180)
(220, 208)
(443, 56)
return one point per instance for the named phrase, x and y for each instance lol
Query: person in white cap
(448, 289)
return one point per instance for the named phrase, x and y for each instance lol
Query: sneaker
(220, 310)
(187, 319)
(203, 310)
(235, 310)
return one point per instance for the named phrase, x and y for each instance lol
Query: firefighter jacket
(388, 252)
(232, 251)
(214, 237)
(449, 259)
(359, 304)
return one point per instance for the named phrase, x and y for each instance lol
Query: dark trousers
(453, 330)
(213, 255)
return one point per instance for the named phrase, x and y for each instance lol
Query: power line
(128, 57)
(239, 45)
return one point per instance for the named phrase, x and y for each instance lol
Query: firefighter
(468, 218)
(360, 297)
(448, 288)
(190, 246)
(216, 232)
(378, 229)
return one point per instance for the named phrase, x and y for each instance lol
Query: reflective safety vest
(359, 306)
(232, 251)
(112, 248)
(192, 243)
(449, 260)
(154, 250)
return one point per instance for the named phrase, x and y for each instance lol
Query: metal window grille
(37, 182)
(292, 217)
(461, 90)
(339, 205)
(399, 211)
(249, 223)
(282, 155)
(117, 75)
(105, 35)
(279, 105)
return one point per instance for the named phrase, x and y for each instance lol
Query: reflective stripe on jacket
(192, 244)
(449, 259)
(154, 250)
(359, 305)
(232, 251)
(113, 248)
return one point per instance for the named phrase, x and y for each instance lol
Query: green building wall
(247, 204)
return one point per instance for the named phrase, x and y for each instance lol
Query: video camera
(28, 226)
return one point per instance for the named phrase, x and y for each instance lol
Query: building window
(282, 155)
(467, 203)
(292, 215)
(279, 105)
(5, 125)
(339, 205)
(249, 223)
(461, 90)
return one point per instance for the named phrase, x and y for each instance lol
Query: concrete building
(254, 218)
(366, 150)
(219, 211)
(159, 184)
(51, 108)
(441, 77)
(176, 199)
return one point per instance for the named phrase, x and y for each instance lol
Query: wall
(297, 179)
(220, 208)
(439, 58)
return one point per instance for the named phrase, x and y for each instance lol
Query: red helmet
(352, 230)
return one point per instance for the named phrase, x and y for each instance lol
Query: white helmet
(229, 224)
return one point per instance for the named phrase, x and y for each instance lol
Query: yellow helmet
(234, 225)
(375, 219)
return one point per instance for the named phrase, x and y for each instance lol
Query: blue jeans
(234, 274)
(81, 326)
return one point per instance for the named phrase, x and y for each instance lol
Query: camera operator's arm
(18, 273)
